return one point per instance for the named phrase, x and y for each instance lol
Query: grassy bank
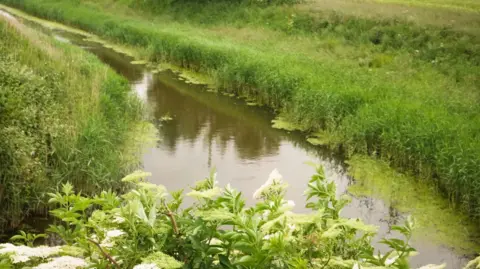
(64, 116)
(383, 86)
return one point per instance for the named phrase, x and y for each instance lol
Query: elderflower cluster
(118, 219)
(274, 178)
(19, 254)
(64, 262)
(146, 266)
(108, 242)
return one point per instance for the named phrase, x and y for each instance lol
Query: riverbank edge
(321, 138)
(131, 137)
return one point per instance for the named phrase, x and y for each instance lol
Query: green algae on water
(166, 117)
(436, 218)
(188, 76)
(282, 123)
(319, 139)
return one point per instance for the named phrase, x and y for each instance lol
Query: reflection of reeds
(208, 116)
(64, 116)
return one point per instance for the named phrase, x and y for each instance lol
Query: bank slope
(64, 116)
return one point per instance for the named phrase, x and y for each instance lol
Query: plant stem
(105, 254)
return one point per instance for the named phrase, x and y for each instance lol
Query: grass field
(64, 116)
(384, 83)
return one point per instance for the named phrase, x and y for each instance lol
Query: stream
(208, 129)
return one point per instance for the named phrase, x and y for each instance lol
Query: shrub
(151, 228)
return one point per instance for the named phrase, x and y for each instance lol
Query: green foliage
(27, 238)
(149, 226)
(62, 113)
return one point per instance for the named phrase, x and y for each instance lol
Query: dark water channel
(211, 130)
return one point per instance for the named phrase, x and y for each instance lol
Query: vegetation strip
(64, 116)
(149, 227)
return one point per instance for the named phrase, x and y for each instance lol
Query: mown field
(401, 86)
(64, 116)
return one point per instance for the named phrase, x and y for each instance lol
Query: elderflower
(114, 233)
(390, 261)
(270, 236)
(118, 219)
(19, 254)
(215, 241)
(146, 266)
(108, 242)
(64, 262)
(274, 177)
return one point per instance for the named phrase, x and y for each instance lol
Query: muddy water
(209, 130)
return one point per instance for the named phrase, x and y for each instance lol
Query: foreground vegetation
(63, 115)
(151, 228)
(404, 92)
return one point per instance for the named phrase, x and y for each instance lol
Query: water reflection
(209, 118)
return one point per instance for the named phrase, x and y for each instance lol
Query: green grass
(64, 116)
(405, 92)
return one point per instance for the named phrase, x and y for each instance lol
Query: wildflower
(19, 254)
(64, 262)
(114, 233)
(146, 266)
(215, 241)
(291, 227)
(118, 219)
(20, 258)
(274, 177)
(109, 235)
(270, 236)
(390, 261)
(266, 214)
(291, 203)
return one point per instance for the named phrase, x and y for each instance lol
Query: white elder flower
(267, 237)
(291, 203)
(146, 266)
(390, 261)
(114, 233)
(291, 227)
(118, 219)
(64, 262)
(20, 254)
(266, 214)
(215, 241)
(270, 236)
(19, 258)
(108, 242)
(274, 177)
(94, 237)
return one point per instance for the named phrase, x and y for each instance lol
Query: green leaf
(152, 216)
(225, 262)
(214, 250)
(245, 260)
